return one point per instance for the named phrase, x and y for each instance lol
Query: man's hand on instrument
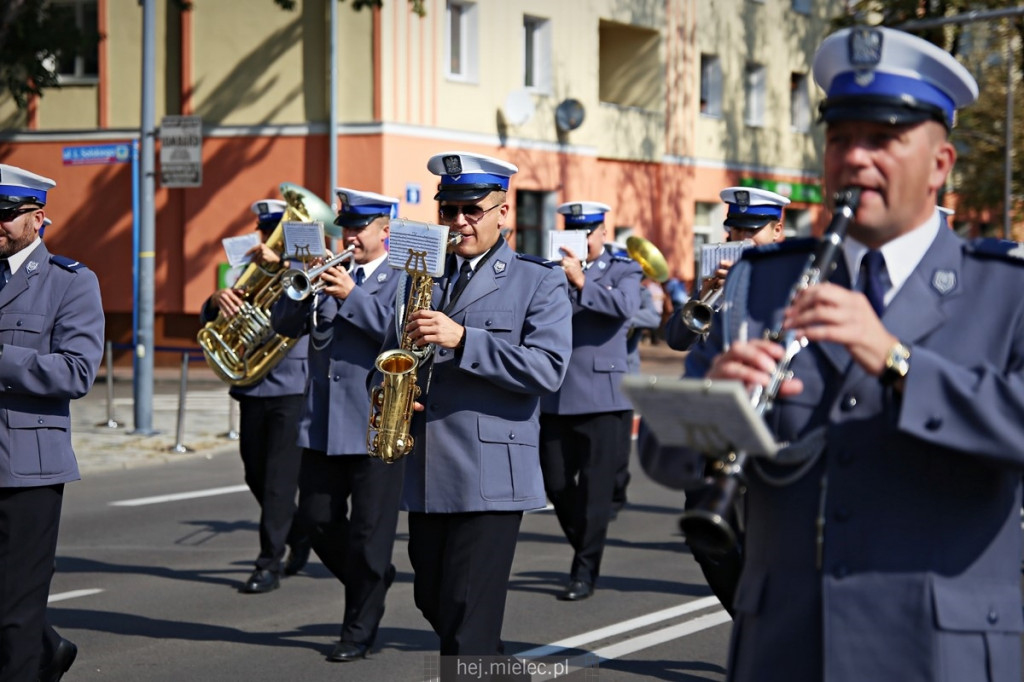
(229, 301)
(573, 268)
(753, 363)
(337, 282)
(261, 253)
(715, 281)
(828, 312)
(433, 326)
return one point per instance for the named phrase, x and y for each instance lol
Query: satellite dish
(569, 115)
(518, 107)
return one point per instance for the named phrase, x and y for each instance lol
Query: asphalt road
(148, 591)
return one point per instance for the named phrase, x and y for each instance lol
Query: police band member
(501, 340)
(349, 499)
(583, 422)
(754, 215)
(897, 555)
(51, 344)
(269, 412)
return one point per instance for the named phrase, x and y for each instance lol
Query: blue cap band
(368, 209)
(23, 193)
(892, 85)
(475, 179)
(774, 212)
(584, 219)
(267, 217)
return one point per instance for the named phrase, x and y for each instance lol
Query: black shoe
(297, 558)
(577, 591)
(347, 651)
(63, 656)
(261, 581)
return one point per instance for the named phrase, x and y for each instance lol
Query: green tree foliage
(34, 38)
(980, 133)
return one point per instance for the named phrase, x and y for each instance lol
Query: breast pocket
(39, 442)
(498, 322)
(21, 328)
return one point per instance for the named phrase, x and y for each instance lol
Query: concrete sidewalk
(208, 415)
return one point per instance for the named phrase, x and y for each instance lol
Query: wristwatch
(897, 364)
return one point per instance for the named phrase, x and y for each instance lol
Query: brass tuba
(388, 435)
(649, 258)
(242, 349)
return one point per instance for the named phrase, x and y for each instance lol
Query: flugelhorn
(697, 313)
(649, 258)
(706, 526)
(300, 285)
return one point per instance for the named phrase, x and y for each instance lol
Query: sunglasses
(9, 214)
(472, 212)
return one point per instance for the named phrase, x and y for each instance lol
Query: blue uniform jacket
(920, 494)
(287, 377)
(601, 313)
(344, 343)
(476, 444)
(51, 331)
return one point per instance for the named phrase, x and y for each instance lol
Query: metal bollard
(232, 432)
(180, 431)
(111, 423)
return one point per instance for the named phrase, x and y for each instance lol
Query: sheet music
(304, 241)
(236, 248)
(713, 254)
(418, 246)
(714, 417)
(573, 239)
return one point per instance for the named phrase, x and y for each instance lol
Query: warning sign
(181, 151)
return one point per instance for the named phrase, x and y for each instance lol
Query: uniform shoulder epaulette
(789, 246)
(68, 264)
(622, 259)
(1003, 249)
(536, 259)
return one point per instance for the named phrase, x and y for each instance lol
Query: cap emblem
(576, 209)
(264, 207)
(344, 199)
(865, 52)
(452, 165)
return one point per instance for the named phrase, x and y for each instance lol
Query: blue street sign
(97, 153)
(412, 192)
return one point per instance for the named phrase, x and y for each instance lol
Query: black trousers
(29, 522)
(579, 455)
(462, 564)
(350, 504)
(268, 431)
(622, 476)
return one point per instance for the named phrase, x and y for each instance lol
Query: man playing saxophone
(346, 322)
(268, 417)
(501, 337)
(755, 216)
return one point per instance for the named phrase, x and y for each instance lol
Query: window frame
(468, 54)
(755, 94)
(800, 115)
(710, 86)
(537, 39)
(79, 74)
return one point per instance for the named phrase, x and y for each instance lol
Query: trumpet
(698, 313)
(299, 285)
(706, 526)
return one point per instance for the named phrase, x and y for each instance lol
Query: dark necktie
(5, 272)
(360, 276)
(872, 268)
(465, 274)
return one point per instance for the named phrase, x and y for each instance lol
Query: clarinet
(706, 526)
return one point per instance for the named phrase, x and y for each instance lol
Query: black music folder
(713, 417)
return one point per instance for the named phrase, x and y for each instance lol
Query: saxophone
(391, 403)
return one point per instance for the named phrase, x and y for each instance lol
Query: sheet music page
(714, 417)
(304, 241)
(417, 246)
(573, 239)
(713, 254)
(236, 248)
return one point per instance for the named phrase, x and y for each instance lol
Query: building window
(461, 41)
(710, 85)
(755, 95)
(799, 102)
(537, 54)
(83, 13)
(535, 217)
(802, 6)
(630, 72)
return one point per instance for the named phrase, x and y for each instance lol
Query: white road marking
(73, 594)
(619, 628)
(175, 497)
